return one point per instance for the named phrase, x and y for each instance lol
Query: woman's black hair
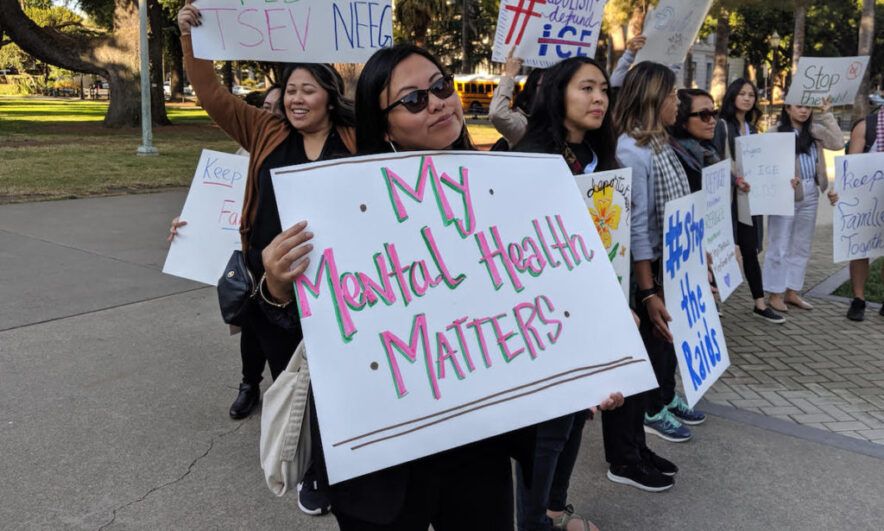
(729, 103)
(371, 120)
(546, 125)
(805, 139)
(685, 103)
(341, 108)
(525, 98)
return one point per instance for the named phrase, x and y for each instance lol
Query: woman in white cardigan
(791, 236)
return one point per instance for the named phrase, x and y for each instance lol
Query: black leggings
(747, 240)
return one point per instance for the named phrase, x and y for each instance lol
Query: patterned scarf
(670, 180)
(880, 132)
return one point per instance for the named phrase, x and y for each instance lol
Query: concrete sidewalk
(116, 381)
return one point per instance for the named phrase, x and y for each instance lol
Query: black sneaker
(311, 500)
(857, 310)
(248, 398)
(665, 466)
(640, 476)
(769, 315)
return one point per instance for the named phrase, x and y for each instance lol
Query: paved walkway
(115, 382)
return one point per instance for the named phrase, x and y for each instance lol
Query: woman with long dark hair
(792, 236)
(739, 114)
(405, 100)
(570, 118)
(645, 108)
(314, 121)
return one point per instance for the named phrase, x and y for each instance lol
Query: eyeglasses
(706, 115)
(417, 100)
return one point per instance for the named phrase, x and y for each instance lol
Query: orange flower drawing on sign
(606, 214)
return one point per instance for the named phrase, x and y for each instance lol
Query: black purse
(236, 289)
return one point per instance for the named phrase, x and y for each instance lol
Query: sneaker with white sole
(640, 476)
(686, 414)
(666, 426)
(311, 500)
(769, 315)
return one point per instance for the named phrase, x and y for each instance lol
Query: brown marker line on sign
(474, 402)
(483, 406)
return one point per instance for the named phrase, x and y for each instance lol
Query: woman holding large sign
(739, 113)
(315, 123)
(792, 236)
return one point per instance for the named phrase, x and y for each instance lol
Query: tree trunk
(866, 42)
(114, 56)
(689, 70)
(798, 39)
(176, 69)
(227, 75)
(466, 65)
(719, 72)
(155, 51)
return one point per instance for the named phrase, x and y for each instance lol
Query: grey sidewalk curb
(824, 289)
(799, 431)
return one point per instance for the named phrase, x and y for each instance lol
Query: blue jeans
(558, 443)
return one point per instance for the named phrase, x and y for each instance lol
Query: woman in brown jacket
(315, 123)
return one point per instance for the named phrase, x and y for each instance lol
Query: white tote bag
(285, 426)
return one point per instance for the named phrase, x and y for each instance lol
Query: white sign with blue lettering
(212, 210)
(697, 334)
(307, 31)
(545, 32)
(858, 216)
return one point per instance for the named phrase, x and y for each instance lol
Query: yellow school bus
(476, 90)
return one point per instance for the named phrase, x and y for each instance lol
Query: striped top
(807, 163)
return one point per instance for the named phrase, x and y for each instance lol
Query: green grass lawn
(54, 148)
(874, 285)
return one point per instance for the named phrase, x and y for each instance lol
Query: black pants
(623, 430)
(557, 446)
(747, 240)
(473, 494)
(277, 343)
(252, 356)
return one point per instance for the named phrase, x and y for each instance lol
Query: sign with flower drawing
(607, 195)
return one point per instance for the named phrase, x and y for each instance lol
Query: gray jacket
(646, 235)
(511, 123)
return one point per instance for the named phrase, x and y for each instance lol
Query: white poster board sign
(671, 28)
(608, 196)
(767, 162)
(212, 210)
(451, 297)
(719, 230)
(309, 31)
(696, 329)
(818, 77)
(544, 33)
(858, 216)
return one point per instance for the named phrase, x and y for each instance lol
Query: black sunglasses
(704, 115)
(417, 100)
